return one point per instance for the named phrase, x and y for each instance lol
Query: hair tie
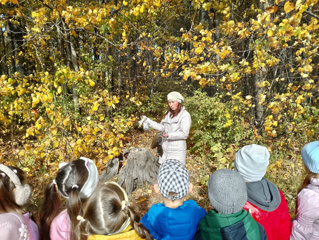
(123, 204)
(80, 218)
(75, 186)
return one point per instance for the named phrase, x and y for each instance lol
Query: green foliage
(155, 105)
(216, 129)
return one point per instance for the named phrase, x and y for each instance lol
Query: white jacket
(174, 146)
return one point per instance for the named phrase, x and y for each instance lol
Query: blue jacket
(173, 223)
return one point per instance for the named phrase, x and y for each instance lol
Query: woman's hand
(165, 135)
(141, 121)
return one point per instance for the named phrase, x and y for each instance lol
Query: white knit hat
(251, 162)
(175, 96)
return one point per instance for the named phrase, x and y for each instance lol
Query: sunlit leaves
(6, 1)
(289, 6)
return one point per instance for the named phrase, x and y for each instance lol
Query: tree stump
(111, 171)
(140, 167)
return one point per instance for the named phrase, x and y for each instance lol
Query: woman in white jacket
(175, 128)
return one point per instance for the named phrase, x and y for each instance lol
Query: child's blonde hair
(107, 212)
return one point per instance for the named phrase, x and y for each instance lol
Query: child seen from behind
(228, 220)
(75, 181)
(15, 223)
(175, 219)
(108, 215)
(266, 203)
(306, 223)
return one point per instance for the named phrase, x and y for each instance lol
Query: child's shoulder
(12, 224)
(190, 203)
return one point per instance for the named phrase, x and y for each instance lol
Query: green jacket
(236, 226)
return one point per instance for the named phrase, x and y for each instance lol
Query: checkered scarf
(173, 177)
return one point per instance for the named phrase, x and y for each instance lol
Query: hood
(263, 194)
(214, 220)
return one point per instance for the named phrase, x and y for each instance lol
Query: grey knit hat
(310, 156)
(227, 191)
(175, 96)
(173, 177)
(251, 162)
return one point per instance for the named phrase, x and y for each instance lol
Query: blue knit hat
(310, 156)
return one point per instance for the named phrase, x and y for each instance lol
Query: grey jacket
(174, 147)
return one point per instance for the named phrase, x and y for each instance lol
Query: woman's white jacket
(174, 146)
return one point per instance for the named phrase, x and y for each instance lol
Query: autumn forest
(77, 75)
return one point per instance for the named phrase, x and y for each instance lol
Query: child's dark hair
(7, 199)
(69, 181)
(107, 212)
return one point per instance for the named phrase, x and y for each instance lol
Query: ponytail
(74, 207)
(49, 211)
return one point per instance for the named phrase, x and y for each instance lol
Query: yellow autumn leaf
(272, 9)
(27, 147)
(289, 6)
(36, 29)
(29, 132)
(278, 163)
(59, 89)
(91, 83)
(268, 129)
(198, 50)
(298, 4)
(308, 68)
(142, 9)
(66, 121)
(223, 54)
(38, 126)
(270, 33)
(54, 131)
(94, 108)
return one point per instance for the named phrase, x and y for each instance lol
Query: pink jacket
(14, 226)
(306, 223)
(60, 227)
